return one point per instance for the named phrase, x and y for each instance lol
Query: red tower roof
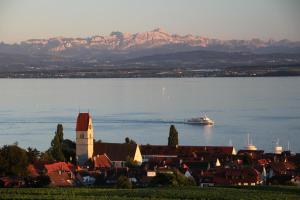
(82, 122)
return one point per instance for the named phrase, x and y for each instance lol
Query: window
(81, 136)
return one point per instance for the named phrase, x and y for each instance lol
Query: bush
(130, 163)
(124, 183)
(175, 179)
(100, 179)
(43, 181)
(38, 182)
(1, 184)
(162, 179)
(282, 180)
(184, 181)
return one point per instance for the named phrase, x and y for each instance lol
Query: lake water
(143, 109)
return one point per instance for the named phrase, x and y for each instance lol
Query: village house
(231, 176)
(164, 151)
(117, 153)
(102, 162)
(61, 174)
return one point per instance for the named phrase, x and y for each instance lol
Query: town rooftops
(244, 151)
(60, 174)
(115, 151)
(158, 150)
(255, 154)
(59, 166)
(102, 161)
(164, 150)
(231, 176)
(32, 171)
(83, 121)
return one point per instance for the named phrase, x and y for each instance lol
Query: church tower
(84, 138)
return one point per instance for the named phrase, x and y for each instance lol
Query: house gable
(138, 155)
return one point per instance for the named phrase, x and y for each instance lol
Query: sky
(222, 19)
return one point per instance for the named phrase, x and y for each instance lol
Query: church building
(84, 138)
(117, 153)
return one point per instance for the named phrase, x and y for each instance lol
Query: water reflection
(207, 133)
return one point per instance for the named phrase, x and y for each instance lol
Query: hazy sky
(222, 19)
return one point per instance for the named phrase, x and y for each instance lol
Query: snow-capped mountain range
(120, 41)
(158, 40)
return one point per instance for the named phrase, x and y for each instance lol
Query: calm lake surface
(143, 109)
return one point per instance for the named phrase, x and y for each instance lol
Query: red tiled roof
(184, 150)
(60, 179)
(60, 173)
(235, 176)
(32, 170)
(281, 167)
(210, 149)
(12, 181)
(262, 162)
(102, 161)
(158, 150)
(115, 151)
(83, 121)
(59, 166)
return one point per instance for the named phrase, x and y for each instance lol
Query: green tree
(33, 154)
(46, 157)
(56, 144)
(130, 163)
(129, 141)
(69, 150)
(13, 161)
(173, 136)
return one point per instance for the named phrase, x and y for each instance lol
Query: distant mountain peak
(157, 38)
(160, 29)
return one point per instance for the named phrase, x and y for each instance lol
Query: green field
(215, 193)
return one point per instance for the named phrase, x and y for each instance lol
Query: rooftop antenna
(288, 146)
(79, 109)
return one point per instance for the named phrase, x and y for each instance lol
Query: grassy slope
(216, 193)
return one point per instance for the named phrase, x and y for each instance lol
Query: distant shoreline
(150, 72)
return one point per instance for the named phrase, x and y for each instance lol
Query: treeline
(14, 160)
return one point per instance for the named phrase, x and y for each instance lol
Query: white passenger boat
(200, 121)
